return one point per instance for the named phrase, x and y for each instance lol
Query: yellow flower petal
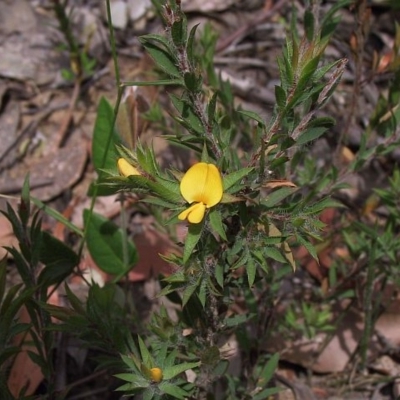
(156, 374)
(202, 183)
(194, 214)
(126, 169)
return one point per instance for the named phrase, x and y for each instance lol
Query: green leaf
(152, 37)
(3, 273)
(179, 31)
(159, 202)
(282, 73)
(145, 159)
(204, 289)
(242, 260)
(22, 266)
(269, 369)
(74, 301)
(173, 390)
(253, 115)
(216, 223)
(146, 356)
(327, 26)
(187, 114)
(192, 82)
(305, 78)
(277, 196)
(190, 45)
(251, 268)
(8, 299)
(148, 395)
(105, 243)
(234, 177)
(267, 393)
(161, 56)
(211, 108)
(311, 134)
(309, 25)
(280, 97)
(278, 162)
(170, 358)
(309, 246)
(275, 254)
(238, 320)
(288, 74)
(219, 275)
(188, 292)
(17, 227)
(175, 370)
(132, 362)
(9, 314)
(56, 215)
(193, 236)
(173, 188)
(128, 377)
(5, 354)
(58, 258)
(160, 82)
(104, 154)
(321, 205)
(25, 206)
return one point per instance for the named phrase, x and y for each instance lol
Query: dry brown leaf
(278, 183)
(389, 322)
(334, 357)
(284, 246)
(384, 62)
(7, 237)
(346, 155)
(24, 373)
(150, 244)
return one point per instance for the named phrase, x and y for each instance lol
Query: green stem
(113, 45)
(368, 308)
(120, 90)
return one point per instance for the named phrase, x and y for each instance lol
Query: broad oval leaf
(105, 243)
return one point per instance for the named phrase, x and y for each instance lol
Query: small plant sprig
(241, 221)
(80, 63)
(42, 262)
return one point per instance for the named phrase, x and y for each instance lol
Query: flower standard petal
(213, 190)
(126, 169)
(193, 182)
(202, 183)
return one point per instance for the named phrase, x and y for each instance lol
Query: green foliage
(42, 261)
(105, 241)
(81, 64)
(105, 139)
(309, 320)
(256, 222)
(242, 246)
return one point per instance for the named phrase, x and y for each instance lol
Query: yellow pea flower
(201, 187)
(156, 374)
(126, 169)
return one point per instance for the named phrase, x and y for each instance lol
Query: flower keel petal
(194, 214)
